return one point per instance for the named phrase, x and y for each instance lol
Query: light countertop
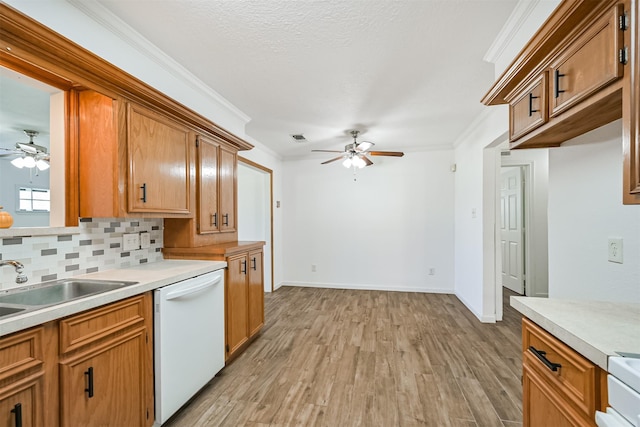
(595, 329)
(149, 276)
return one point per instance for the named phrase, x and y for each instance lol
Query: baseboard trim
(368, 287)
(481, 318)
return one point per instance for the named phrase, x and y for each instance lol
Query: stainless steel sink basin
(59, 291)
(5, 311)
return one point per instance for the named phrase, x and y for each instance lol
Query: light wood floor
(331, 357)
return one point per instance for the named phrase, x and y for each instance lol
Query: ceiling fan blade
(367, 161)
(364, 146)
(332, 160)
(386, 153)
(327, 151)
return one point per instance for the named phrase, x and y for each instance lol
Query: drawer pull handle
(542, 356)
(557, 76)
(144, 192)
(531, 98)
(89, 389)
(17, 409)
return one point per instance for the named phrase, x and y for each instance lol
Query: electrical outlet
(313, 268)
(615, 250)
(130, 242)
(145, 240)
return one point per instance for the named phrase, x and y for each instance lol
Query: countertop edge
(585, 340)
(150, 276)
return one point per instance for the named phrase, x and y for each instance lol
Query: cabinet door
(227, 188)
(256, 293)
(236, 316)
(543, 407)
(159, 162)
(529, 108)
(590, 63)
(208, 217)
(105, 386)
(20, 403)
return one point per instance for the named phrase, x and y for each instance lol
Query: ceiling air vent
(298, 137)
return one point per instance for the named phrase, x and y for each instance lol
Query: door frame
(269, 172)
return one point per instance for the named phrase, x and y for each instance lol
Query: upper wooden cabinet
(159, 163)
(133, 161)
(216, 190)
(577, 73)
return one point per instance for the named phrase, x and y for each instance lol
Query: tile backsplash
(97, 247)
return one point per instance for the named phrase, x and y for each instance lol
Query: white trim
(483, 319)
(368, 287)
(127, 34)
(518, 17)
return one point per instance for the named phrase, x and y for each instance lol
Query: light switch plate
(130, 242)
(615, 250)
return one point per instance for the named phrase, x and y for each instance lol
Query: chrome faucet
(21, 278)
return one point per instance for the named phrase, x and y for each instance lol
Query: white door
(512, 229)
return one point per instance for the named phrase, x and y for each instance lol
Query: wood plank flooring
(330, 357)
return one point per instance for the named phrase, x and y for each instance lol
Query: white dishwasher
(189, 339)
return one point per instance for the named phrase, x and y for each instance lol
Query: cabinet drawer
(570, 374)
(588, 64)
(89, 327)
(21, 352)
(528, 107)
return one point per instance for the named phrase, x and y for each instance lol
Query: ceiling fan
(355, 154)
(30, 155)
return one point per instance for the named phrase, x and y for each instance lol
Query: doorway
(255, 211)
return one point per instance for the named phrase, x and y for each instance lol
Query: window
(34, 199)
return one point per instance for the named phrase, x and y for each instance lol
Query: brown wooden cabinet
(159, 163)
(216, 190)
(528, 107)
(560, 387)
(28, 395)
(134, 161)
(588, 51)
(106, 365)
(244, 288)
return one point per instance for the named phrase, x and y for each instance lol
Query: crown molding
(518, 17)
(105, 18)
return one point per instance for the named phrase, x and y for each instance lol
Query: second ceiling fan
(355, 154)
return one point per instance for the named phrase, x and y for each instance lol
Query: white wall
(475, 212)
(383, 231)
(585, 209)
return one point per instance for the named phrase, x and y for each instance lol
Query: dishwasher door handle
(178, 293)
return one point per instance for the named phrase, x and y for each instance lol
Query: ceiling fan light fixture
(29, 162)
(358, 162)
(42, 165)
(347, 162)
(18, 162)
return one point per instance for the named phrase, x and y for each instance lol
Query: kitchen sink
(59, 291)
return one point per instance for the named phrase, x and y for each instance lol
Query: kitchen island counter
(595, 329)
(149, 276)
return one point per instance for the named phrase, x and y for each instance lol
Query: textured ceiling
(409, 74)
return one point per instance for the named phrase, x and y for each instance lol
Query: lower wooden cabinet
(559, 386)
(27, 376)
(91, 369)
